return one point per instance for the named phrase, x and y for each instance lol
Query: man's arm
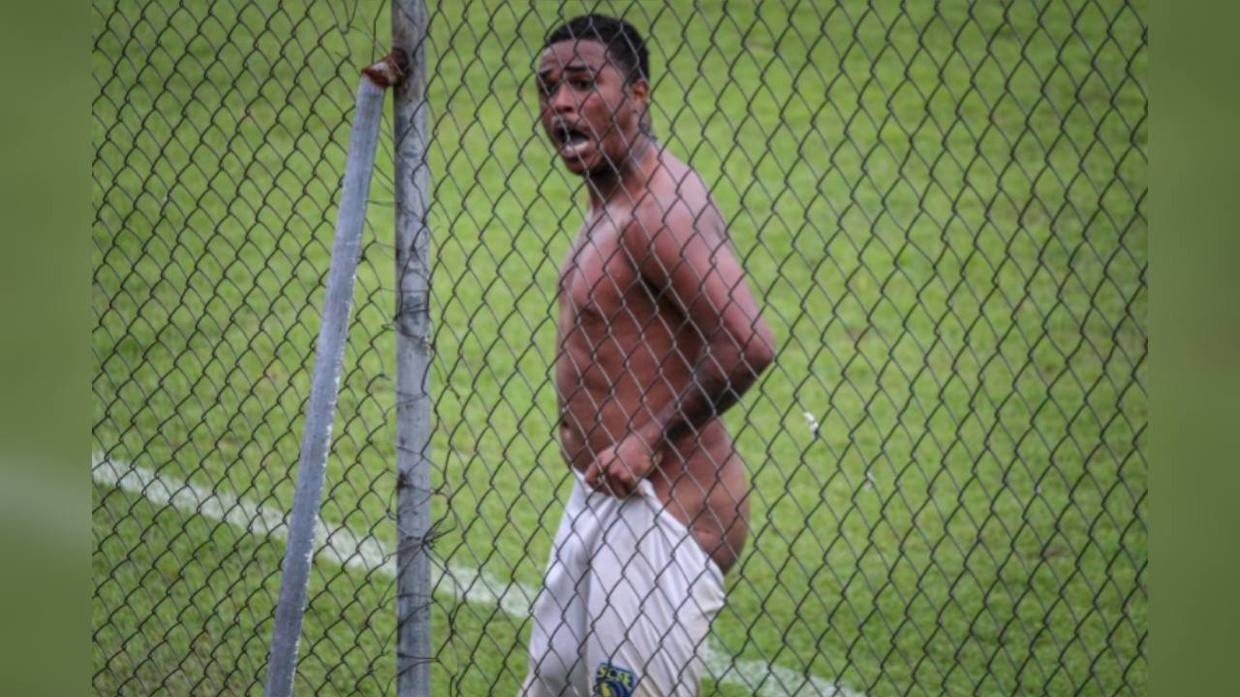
(686, 256)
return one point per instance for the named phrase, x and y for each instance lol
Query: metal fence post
(413, 405)
(316, 440)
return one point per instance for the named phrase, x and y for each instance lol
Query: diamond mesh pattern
(940, 207)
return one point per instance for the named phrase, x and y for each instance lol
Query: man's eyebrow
(571, 67)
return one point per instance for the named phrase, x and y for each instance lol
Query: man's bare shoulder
(677, 187)
(677, 200)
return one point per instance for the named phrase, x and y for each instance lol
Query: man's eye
(582, 84)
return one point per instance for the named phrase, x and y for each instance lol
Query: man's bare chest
(598, 275)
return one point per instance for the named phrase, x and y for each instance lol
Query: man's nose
(563, 101)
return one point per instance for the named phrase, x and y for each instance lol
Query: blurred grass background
(941, 207)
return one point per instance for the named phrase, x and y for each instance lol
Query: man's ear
(639, 92)
(639, 87)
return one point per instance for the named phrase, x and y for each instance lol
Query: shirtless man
(658, 335)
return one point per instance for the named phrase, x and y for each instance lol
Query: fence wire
(940, 208)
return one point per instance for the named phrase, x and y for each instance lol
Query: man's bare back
(627, 350)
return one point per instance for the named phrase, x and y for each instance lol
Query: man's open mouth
(569, 139)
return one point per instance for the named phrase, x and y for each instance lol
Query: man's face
(588, 108)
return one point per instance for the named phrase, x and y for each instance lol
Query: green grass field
(941, 207)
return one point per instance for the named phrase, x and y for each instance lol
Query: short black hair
(624, 44)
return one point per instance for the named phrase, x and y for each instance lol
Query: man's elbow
(759, 352)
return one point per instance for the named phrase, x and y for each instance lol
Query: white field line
(346, 548)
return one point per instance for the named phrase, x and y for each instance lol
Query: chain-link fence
(940, 208)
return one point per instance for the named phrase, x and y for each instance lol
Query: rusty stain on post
(389, 71)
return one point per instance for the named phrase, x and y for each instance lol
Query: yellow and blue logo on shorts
(613, 681)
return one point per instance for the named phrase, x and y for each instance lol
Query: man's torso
(624, 352)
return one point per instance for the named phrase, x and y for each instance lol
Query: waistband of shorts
(645, 490)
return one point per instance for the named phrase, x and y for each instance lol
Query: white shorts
(627, 602)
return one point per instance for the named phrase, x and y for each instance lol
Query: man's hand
(618, 469)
